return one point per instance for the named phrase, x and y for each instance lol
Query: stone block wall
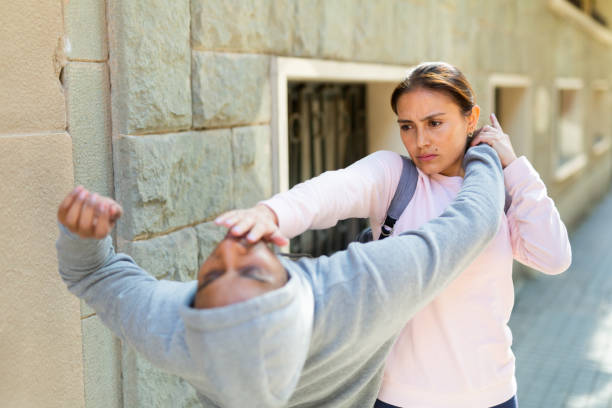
(40, 325)
(191, 139)
(167, 107)
(190, 109)
(86, 81)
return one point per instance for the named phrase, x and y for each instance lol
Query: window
(601, 125)
(591, 15)
(509, 102)
(357, 95)
(327, 131)
(570, 156)
(590, 8)
(570, 132)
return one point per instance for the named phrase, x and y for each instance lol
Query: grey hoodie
(319, 341)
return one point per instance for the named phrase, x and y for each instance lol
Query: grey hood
(251, 353)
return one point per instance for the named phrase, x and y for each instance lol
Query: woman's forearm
(362, 190)
(539, 237)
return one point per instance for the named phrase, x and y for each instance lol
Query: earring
(470, 135)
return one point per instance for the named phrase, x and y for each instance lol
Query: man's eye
(210, 277)
(435, 123)
(255, 272)
(405, 128)
(250, 271)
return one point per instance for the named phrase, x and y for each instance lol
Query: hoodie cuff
(76, 253)
(284, 214)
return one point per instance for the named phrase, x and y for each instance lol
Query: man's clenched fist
(87, 214)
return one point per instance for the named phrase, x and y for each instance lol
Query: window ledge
(570, 168)
(602, 146)
(564, 9)
(600, 85)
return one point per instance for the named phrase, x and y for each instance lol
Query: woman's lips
(427, 157)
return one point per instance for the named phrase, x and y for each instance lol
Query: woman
(456, 351)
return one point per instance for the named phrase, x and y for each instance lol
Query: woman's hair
(437, 76)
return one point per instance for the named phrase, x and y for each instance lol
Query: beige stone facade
(40, 325)
(171, 107)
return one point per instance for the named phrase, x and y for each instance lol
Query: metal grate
(590, 8)
(327, 131)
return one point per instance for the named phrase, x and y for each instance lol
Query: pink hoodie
(456, 350)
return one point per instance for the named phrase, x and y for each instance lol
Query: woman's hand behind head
(494, 136)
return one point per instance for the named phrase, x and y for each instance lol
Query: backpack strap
(403, 194)
(508, 202)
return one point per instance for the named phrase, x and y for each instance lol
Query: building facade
(179, 110)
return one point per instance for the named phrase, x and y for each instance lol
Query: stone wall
(191, 110)
(482, 38)
(191, 139)
(40, 326)
(87, 90)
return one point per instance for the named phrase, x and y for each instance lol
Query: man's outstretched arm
(138, 308)
(229, 353)
(382, 284)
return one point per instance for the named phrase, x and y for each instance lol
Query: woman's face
(434, 130)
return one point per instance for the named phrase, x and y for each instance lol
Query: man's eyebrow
(213, 276)
(422, 120)
(209, 278)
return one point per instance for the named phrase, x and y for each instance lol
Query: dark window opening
(590, 8)
(327, 131)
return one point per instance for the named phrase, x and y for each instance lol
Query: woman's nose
(422, 139)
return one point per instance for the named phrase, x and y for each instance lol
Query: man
(258, 331)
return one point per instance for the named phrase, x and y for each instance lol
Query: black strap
(403, 194)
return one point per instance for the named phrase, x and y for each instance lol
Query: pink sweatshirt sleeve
(539, 237)
(362, 190)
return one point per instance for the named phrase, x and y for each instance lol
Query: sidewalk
(562, 325)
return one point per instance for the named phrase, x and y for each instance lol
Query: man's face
(237, 271)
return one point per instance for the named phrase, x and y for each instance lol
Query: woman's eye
(405, 128)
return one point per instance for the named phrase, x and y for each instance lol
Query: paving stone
(579, 314)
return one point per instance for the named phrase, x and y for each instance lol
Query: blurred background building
(184, 109)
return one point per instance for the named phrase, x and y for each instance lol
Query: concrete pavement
(562, 325)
